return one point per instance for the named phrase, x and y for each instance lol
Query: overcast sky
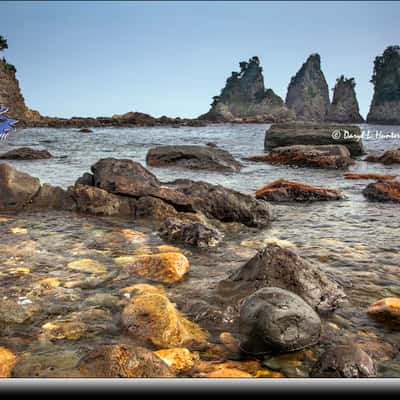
(170, 58)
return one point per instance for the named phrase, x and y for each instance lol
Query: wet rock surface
(280, 267)
(279, 135)
(344, 361)
(25, 153)
(383, 191)
(273, 319)
(386, 311)
(193, 157)
(387, 158)
(284, 191)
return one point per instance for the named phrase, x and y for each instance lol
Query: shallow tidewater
(353, 240)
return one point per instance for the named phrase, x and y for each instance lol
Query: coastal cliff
(344, 107)
(385, 106)
(308, 95)
(245, 97)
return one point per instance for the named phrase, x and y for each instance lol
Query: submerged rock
(279, 135)
(383, 191)
(193, 157)
(190, 232)
(386, 311)
(85, 130)
(223, 204)
(323, 156)
(245, 96)
(376, 177)
(151, 316)
(163, 267)
(389, 157)
(280, 267)
(344, 107)
(119, 361)
(25, 153)
(344, 361)
(283, 191)
(273, 319)
(17, 189)
(385, 105)
(7, 362)
(87, 265)
(308, 94)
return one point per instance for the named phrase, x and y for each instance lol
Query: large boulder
(245, 96)
(279, 135)
(284, 191)
(119, 361)
(280, 267)
(52, 198)
(385, 105)
(193, 157)
(344, 107)
(223, 204)
(124, 177)
(344, 361)
(308, 93)
(25, 153)
(383, 191)
(331, 156)
(275, 320)
(17, 189)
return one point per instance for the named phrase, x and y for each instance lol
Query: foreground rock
(118, 361)
(163, 267)
(193, 157)
(52, 198)
(180, 360)
(190, 233)
(223, 204)
(344, 361)
(376, 177)
(387, 158)
(25, 153)
(7, 362)
(283, 191)
(279, 135)
(344, 107)
(280, 267)
(383, 191)
(152, 317)
(244, 98)
(385, 105)
(275, 320)
(386, 311)
(324, 156)
(16, 188)
(308, 93)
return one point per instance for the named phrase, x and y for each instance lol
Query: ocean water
(355, 241)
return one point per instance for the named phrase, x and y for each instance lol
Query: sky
(171, 57)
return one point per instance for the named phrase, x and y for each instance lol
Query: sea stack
(244, 96)
(344, 108)
(308, 94)
(385, 106)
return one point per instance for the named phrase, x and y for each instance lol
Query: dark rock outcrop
(119, 361)
(245, 96)
(344, 107)
(193, 157)
(276, 266)
(344, 361)
(284, 191)
(329, 156)
(275, 320)
(383, 191)
(86, 179)
(17, 189)
(385, 106)
(308, 94)
(25, 153)
(192, 233)
(387, 158)
(52, 198)
(226, 205)
(279, 135)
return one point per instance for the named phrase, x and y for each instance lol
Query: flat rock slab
(284, 191)
(193, 157)
(314, 134)
(26, 153)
